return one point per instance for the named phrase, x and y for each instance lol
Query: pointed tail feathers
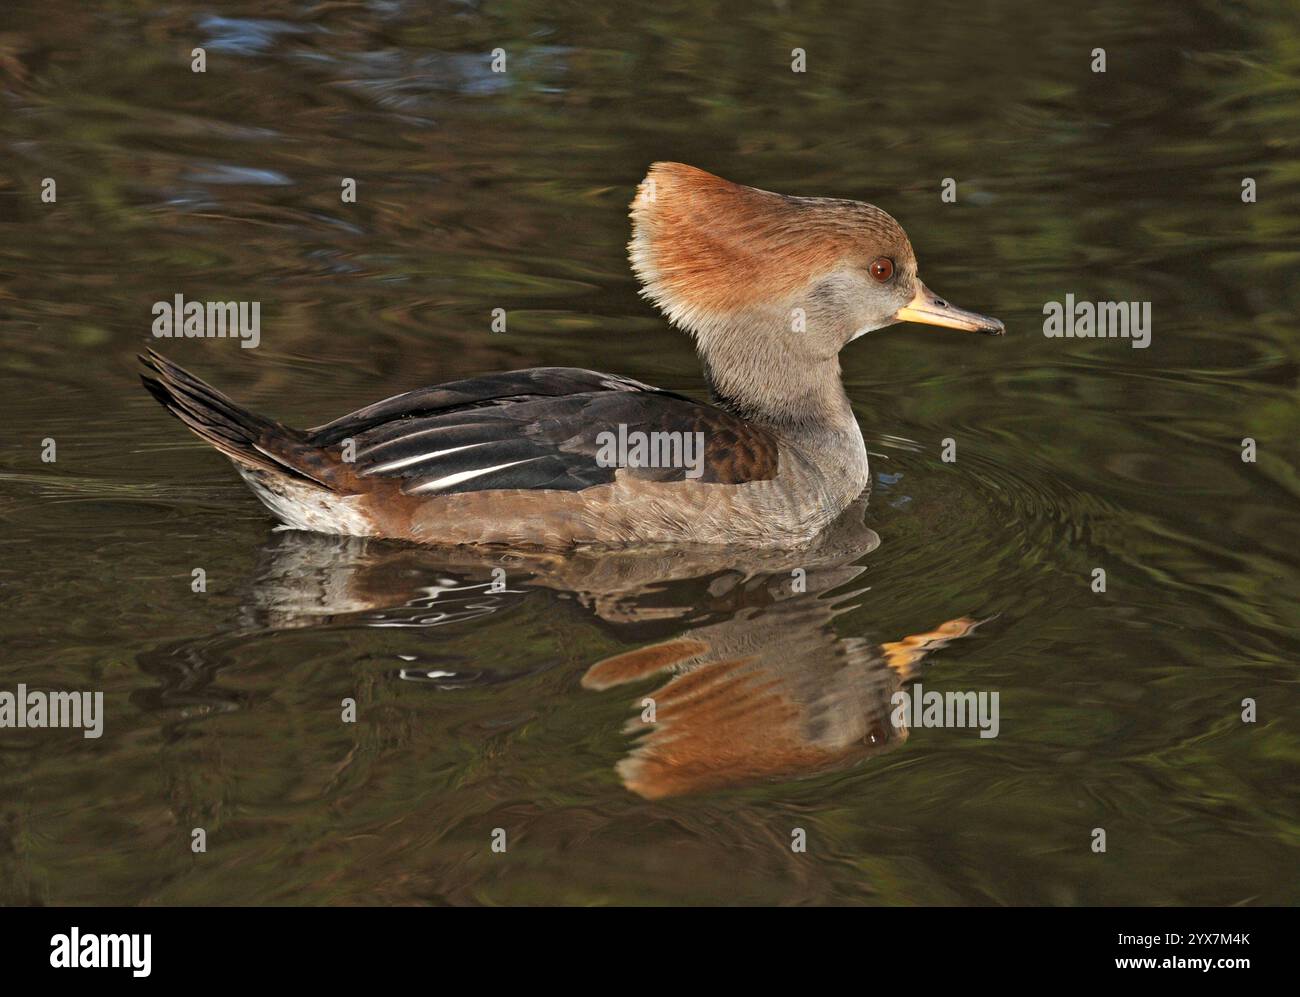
(245, 437)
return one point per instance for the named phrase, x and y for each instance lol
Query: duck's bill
(930, 309)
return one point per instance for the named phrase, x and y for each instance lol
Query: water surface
(519, 708)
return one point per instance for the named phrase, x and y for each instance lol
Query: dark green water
(1119, 710)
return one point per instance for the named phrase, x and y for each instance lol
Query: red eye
(882, 269)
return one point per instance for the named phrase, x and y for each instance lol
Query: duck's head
(795, 277)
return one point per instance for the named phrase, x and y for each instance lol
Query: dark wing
(538, 429)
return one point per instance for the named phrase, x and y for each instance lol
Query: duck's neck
(793, 390)
(756, 370)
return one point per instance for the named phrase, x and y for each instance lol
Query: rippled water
(484, 707)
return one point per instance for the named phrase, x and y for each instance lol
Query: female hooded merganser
(770, 286)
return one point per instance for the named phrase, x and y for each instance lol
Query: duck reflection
(758, 685)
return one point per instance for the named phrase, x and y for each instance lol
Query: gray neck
(791, 386)
(784, 381)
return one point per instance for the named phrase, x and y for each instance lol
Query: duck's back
(550, 456)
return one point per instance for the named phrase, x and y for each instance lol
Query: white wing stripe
(446, 481)
(394, 465)
(408, 436)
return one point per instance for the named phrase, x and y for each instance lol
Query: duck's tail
(250, 440)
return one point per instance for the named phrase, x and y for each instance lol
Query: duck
(770, 287)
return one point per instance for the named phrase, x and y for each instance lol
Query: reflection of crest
(771, 692)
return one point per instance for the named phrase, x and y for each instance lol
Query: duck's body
(514, 459)
(771, 287)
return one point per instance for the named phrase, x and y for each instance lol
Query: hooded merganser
(770, 286)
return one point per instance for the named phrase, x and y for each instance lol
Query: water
(482, 709)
